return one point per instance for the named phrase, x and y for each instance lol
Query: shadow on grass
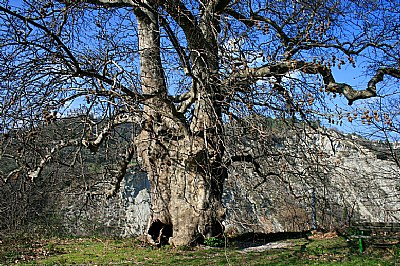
(257, 239)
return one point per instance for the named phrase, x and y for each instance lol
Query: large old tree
(183, 69)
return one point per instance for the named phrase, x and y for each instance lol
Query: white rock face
(137, 203)
(352, 180)
(369, 183)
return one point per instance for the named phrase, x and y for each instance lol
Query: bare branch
(121, 171)
(13, 174)
(92, 145)
(109, 3)
(257, 167)
(342, 88)
(189, 99)
(250, 22)
(251, 75)
(33, 174)
(238, 16)
(183, 57)
(181, 15)
(109, 81)
(47, 31)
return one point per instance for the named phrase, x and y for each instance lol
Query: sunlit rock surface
(347, 178)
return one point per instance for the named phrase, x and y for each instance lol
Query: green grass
(101, 251)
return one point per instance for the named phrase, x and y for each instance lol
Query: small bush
(214, 242)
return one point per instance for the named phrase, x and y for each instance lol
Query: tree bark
(183, 161)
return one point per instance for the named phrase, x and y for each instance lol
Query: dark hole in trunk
(160, 232)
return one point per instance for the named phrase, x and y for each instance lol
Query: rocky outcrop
(282, 183)
(309, 174)
(281, 178)
(137, 203)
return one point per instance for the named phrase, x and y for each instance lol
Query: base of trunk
(191, 231)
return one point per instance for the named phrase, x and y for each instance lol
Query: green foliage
(214, 242)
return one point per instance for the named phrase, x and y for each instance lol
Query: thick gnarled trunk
(183, 162)
(186, 193)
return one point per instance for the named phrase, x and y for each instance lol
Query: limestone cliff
(282, 177)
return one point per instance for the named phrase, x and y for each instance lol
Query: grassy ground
(102, 251)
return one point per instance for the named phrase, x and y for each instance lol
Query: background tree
(183, 69)
(68, 195)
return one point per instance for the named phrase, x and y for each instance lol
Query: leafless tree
(68, 195)
(182, 69)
